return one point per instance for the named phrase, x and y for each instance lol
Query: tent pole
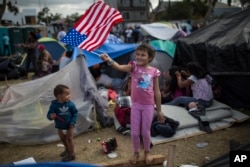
(96, 53)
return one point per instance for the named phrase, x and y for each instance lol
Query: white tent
(160, 31)
(24, 107)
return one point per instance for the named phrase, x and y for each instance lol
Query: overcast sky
(64, 7)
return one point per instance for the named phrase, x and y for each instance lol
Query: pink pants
(140, 121)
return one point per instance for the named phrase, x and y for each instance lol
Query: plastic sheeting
(24, 107)
(167, 46)
(223, 48)
(113, 50)
(158, 30)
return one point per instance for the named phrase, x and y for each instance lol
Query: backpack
(122, 114)
(166, 129)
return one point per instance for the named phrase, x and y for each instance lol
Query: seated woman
(45, 61)
(171, 90)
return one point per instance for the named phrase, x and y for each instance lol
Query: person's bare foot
(148, 158)
(134, 158)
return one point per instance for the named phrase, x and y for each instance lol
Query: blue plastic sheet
(113, 50)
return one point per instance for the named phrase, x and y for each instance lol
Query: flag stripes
(96, 24)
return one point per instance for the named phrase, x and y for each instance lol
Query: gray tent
(223, 48)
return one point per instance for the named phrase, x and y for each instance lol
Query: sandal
(68, 158)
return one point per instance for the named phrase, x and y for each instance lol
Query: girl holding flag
(144, 80)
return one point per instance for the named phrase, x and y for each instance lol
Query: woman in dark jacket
(30, 48)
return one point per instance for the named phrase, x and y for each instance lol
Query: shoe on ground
(120, 129)
(126, 131)
(123, 130)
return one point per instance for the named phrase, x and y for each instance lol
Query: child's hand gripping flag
(92, 29)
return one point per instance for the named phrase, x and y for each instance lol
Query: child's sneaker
(120, 129)
(123, 130)
(126, 131)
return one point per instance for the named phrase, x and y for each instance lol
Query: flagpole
(80, 51)
(95, 53)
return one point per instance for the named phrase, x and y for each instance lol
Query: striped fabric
(92, 29)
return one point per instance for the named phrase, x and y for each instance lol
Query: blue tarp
(113, 50)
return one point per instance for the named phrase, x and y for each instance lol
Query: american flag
(92, 29)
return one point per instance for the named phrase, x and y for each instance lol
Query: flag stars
(74, 38)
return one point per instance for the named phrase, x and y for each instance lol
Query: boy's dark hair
(59, 89)
(148, 48)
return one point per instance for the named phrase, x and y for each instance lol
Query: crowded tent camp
(147, 96)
